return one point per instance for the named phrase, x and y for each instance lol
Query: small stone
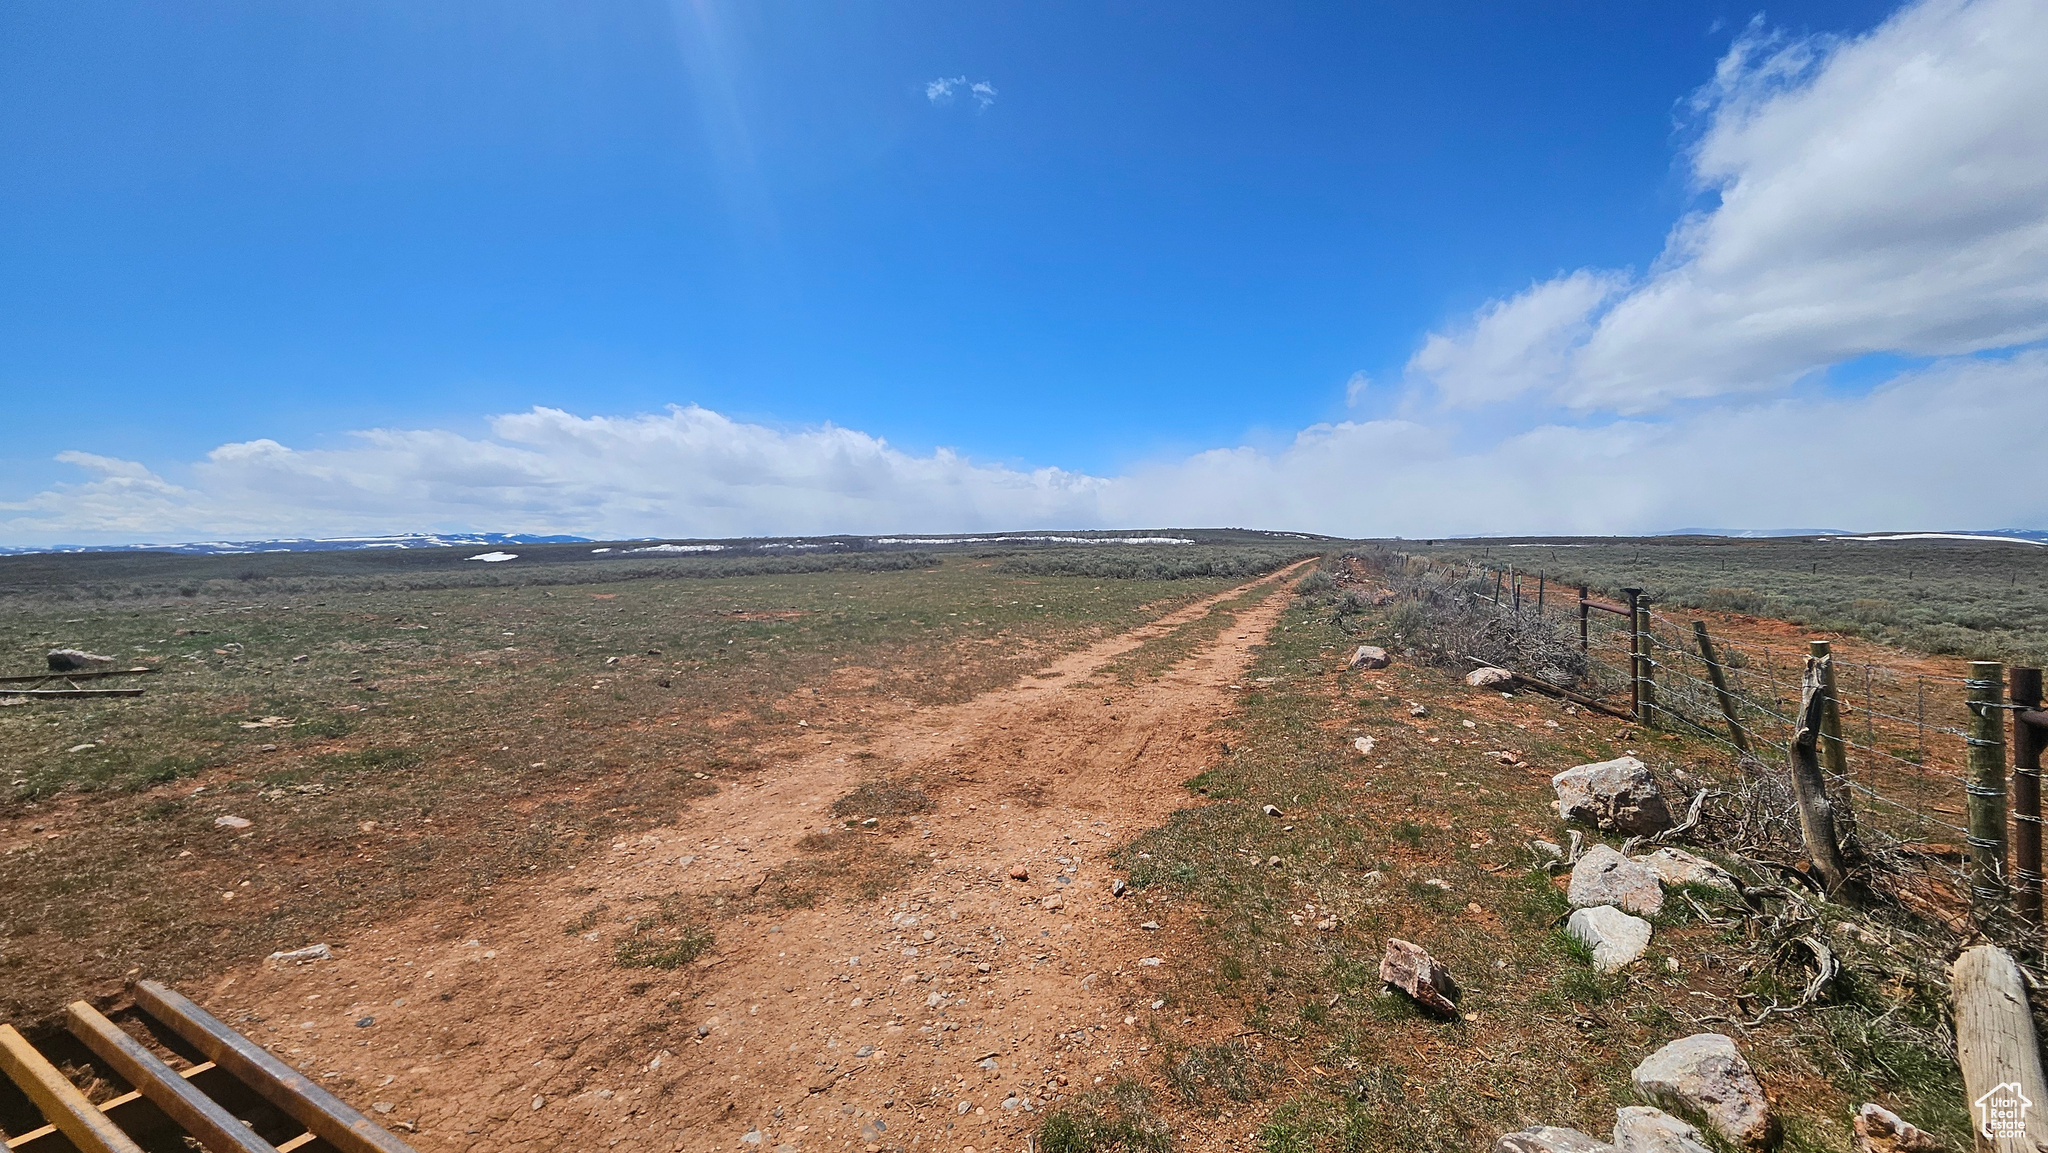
(1052, 902)
(1118, 888)
(365, 1022)
(1618, 796)
(1605, 877)
(750, 1137)
(1879, 1130)
(1011, 1104)
(1364, 745)
(1616, 938)
(1019, 873)
(1543, 848)
(1705, 1075)
(1370, 657)
(1415, 710)
(1152, 962)
(302, 956)
(1273, 862)
(73, 660)
(1549, 1139)
(1409, 968)
(1489, 677)
(703, 1030)
(864, 1051)
(231, 822)
(1678, 867)
(1641, 1129)
(1149, 925)
(987, 1063)
(1272, 811)
(538, 1101)
(382, 1106)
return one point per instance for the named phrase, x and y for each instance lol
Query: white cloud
(1514, 346)
(1902, 457)
(1356, 387)
(942, 90)
(1884, 194)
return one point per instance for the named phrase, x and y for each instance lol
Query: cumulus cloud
(1881, 194)
(983, 92)
(694, 472)
(1514, 346)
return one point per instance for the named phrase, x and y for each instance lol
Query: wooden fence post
(1635, 656)
(1986, 787)
(1585, 620)
(1995, 1048)
(1539, 596)
(2027, 740)
(1720, 679)
(1833, 752)
(1810, 786)
(1647, 666)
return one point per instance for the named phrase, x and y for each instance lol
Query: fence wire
(1895, 757)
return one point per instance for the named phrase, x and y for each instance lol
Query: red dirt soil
(949, 1012)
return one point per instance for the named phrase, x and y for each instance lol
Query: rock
(1051, 901)
(232, 822)
(1616, 938)
(302, 956)
(1149, 925)
(1019, 873)
(1879, 1130)
(1364, 746)
(1271, 811)
(750, 1137)
(1549, 1139)
(1618, 796)
(1678, 867)
(1409, 968)
(1705, 1075)
(538, 1101)
(1605, 877)
(864, 1051)
(1543, 848)
(1118, 888)
(1489, 677)
(1641, 1129)
(1415, 710)
(1370, 657)
(72, 660)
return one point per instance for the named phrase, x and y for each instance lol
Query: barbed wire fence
(1907, 751)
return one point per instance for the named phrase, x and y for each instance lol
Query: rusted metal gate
(232, 1097)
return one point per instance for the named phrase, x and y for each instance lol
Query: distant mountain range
(309, 544)
(500, 539)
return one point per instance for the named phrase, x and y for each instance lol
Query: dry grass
(431, 754)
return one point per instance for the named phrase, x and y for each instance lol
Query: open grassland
(395, 733)
(1964, 598)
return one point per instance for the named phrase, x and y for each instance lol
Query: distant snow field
(1946, 536)
(493, 557)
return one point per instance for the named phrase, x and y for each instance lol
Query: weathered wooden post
(2027, 739)
(1585, 620)
(1647, 665)
(1720, 679)
(1997, 1052)
(1985, 789)
(1635, 656)
(1833, 752)
(1539, 596)
(1817, 825)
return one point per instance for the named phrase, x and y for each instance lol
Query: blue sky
(1164, 232)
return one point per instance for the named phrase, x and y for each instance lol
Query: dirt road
(948, 1012)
